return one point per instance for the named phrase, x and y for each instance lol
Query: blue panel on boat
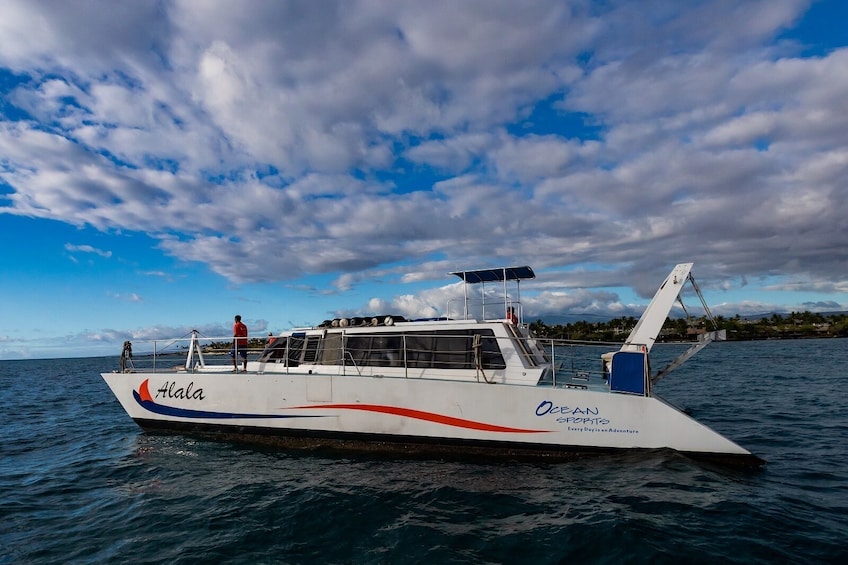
(628, 372)
(500, 274)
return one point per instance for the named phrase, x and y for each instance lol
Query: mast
(648, 328)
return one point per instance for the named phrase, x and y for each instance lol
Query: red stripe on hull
(427, 416)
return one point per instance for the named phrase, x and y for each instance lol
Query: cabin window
(444, 349)
(331, 349)
(293, 344)
(491, 351)
(310, 350)
(380, 350)
(276, 351)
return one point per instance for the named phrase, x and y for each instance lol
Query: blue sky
(166, 165)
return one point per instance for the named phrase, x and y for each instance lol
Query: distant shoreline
(797, 325)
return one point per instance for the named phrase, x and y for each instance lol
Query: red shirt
(240, 331)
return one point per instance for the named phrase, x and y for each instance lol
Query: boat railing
(573, 362)
(485, 308)
(568, 361)
(352, 362)
(562, 363)
(188, 352)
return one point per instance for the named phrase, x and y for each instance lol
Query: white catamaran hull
(455, 384)
(411, 412)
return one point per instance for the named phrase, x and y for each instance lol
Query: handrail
(160, 348)
(353, 361)
(562, 360)
(482, 302)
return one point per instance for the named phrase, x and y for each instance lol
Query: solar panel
(500, 274)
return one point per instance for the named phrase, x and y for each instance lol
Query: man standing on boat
(239, 343)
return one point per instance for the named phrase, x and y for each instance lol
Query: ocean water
(80, 483)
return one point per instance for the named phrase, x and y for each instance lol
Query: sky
(165, 165)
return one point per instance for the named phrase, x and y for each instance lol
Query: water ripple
(79, 483)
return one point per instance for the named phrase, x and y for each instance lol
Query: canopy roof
(499, 274)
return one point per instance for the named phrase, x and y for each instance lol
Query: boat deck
(570, 365)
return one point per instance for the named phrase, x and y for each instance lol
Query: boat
(473, 383)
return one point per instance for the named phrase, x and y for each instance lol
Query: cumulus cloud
(275, 140)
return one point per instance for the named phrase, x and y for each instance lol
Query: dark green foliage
(776, 326)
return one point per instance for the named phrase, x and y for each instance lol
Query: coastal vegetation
(776, 326)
